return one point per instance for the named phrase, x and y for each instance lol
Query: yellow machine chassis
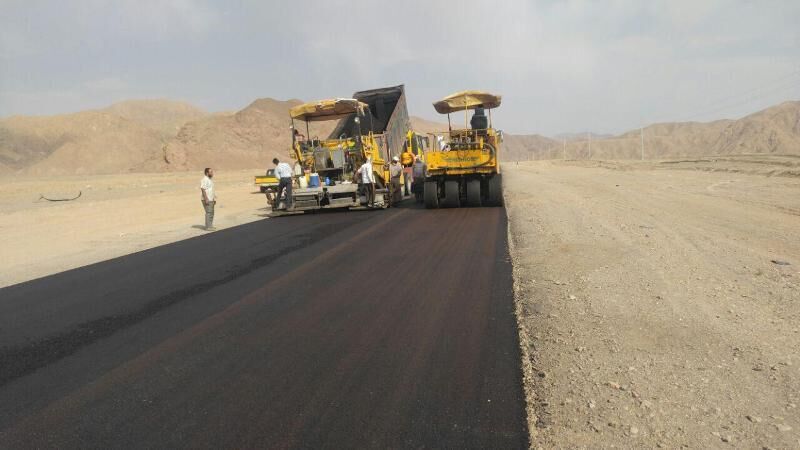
(469, 152)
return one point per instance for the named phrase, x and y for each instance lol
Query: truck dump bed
(389, 113)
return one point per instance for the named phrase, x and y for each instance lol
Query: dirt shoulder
(115, 215)
(656, 314)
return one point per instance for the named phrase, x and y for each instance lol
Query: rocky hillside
(775, 130)
(249, 138)
(161, 135)
(165, 116)
(80, 143)
(126, 136)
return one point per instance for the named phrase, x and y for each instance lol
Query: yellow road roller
(463, 165)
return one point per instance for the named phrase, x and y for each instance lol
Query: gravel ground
(661, 305)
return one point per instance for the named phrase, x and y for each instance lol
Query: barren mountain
(139, 136)
(126, 136)
(248, 138)
(165, 116)
(522, 146)
(84, 142)
(424, 126)
(775, 130)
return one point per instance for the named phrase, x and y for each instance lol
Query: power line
(788, 76)
(759, 93)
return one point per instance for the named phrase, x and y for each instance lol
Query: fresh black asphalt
(376, 329)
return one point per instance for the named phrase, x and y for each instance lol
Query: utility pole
(642, 130)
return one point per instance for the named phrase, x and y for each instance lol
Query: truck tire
(474, 192)
(431, 194)
(451, 199)
(494, 191)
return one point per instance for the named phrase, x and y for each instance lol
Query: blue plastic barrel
(313, 180)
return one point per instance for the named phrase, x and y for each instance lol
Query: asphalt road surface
(380, 329)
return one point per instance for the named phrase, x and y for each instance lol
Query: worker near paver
(395, 170)
(368, 181)
(418, 170)
(407, 160)
(208, 197)
(418, 174)
(283, 172)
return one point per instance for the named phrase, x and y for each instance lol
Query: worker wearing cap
(283, 172)
(395, 170)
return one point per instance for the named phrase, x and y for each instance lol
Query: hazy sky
(561, 66)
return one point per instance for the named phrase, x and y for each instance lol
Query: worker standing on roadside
(395, 170)
(368, 181)
(283, 172)
(208, 197)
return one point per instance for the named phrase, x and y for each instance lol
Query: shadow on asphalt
(407, 203)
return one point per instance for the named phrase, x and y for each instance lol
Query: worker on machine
(395, 171)
(440, 143)
(367, 177)
(479, 120)
(283, 172)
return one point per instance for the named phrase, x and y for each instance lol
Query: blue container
(313, 180)
(327, 181)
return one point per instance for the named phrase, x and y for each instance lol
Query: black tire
(451, 199)
(474, 192)
(494, 191)
(431, 194)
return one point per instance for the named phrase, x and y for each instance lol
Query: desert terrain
(659, 302)
(114, 216)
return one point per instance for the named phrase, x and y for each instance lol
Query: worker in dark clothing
(479, 120)
(418, 174)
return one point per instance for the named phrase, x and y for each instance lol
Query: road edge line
(524, 337)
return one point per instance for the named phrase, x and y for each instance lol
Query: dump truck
(463, 165)
(371, 124)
